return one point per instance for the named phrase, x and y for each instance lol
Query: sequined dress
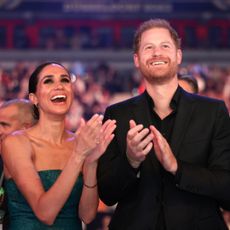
(21, 216)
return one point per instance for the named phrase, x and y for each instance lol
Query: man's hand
(139, 143)
(163, 151)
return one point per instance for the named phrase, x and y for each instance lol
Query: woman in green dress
(51, 172)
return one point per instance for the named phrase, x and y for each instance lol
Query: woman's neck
(53, 131)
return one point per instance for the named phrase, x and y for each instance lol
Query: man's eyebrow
(169, 42)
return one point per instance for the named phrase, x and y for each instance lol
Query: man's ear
(136, 60)
(33, 98)
(179, 56)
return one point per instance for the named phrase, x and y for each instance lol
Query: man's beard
(159, 78)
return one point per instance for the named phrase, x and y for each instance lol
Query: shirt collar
(173, 103)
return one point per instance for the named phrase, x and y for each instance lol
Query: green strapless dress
(21, 216)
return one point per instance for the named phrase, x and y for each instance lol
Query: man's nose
(156, 51)
(1, 132)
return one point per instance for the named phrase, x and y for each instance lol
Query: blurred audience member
(188, 83)
(15, 114)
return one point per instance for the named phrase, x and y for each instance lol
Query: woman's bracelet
(90, 186)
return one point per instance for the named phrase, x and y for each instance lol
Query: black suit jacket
(191, 199)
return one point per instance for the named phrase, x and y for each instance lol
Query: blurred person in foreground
(51, 172)
(168, 167)
(15, 114)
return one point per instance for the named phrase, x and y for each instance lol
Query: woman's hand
(88, 135)
(103, 140)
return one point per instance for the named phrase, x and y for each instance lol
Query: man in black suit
(168, 167)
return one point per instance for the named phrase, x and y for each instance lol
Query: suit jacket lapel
(183, 117)
(141, 111)
(142, 116)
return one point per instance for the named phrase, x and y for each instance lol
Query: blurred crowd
(99, 85)
(51, 34)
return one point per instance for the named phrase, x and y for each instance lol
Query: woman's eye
(65, 80)
(47, 81)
